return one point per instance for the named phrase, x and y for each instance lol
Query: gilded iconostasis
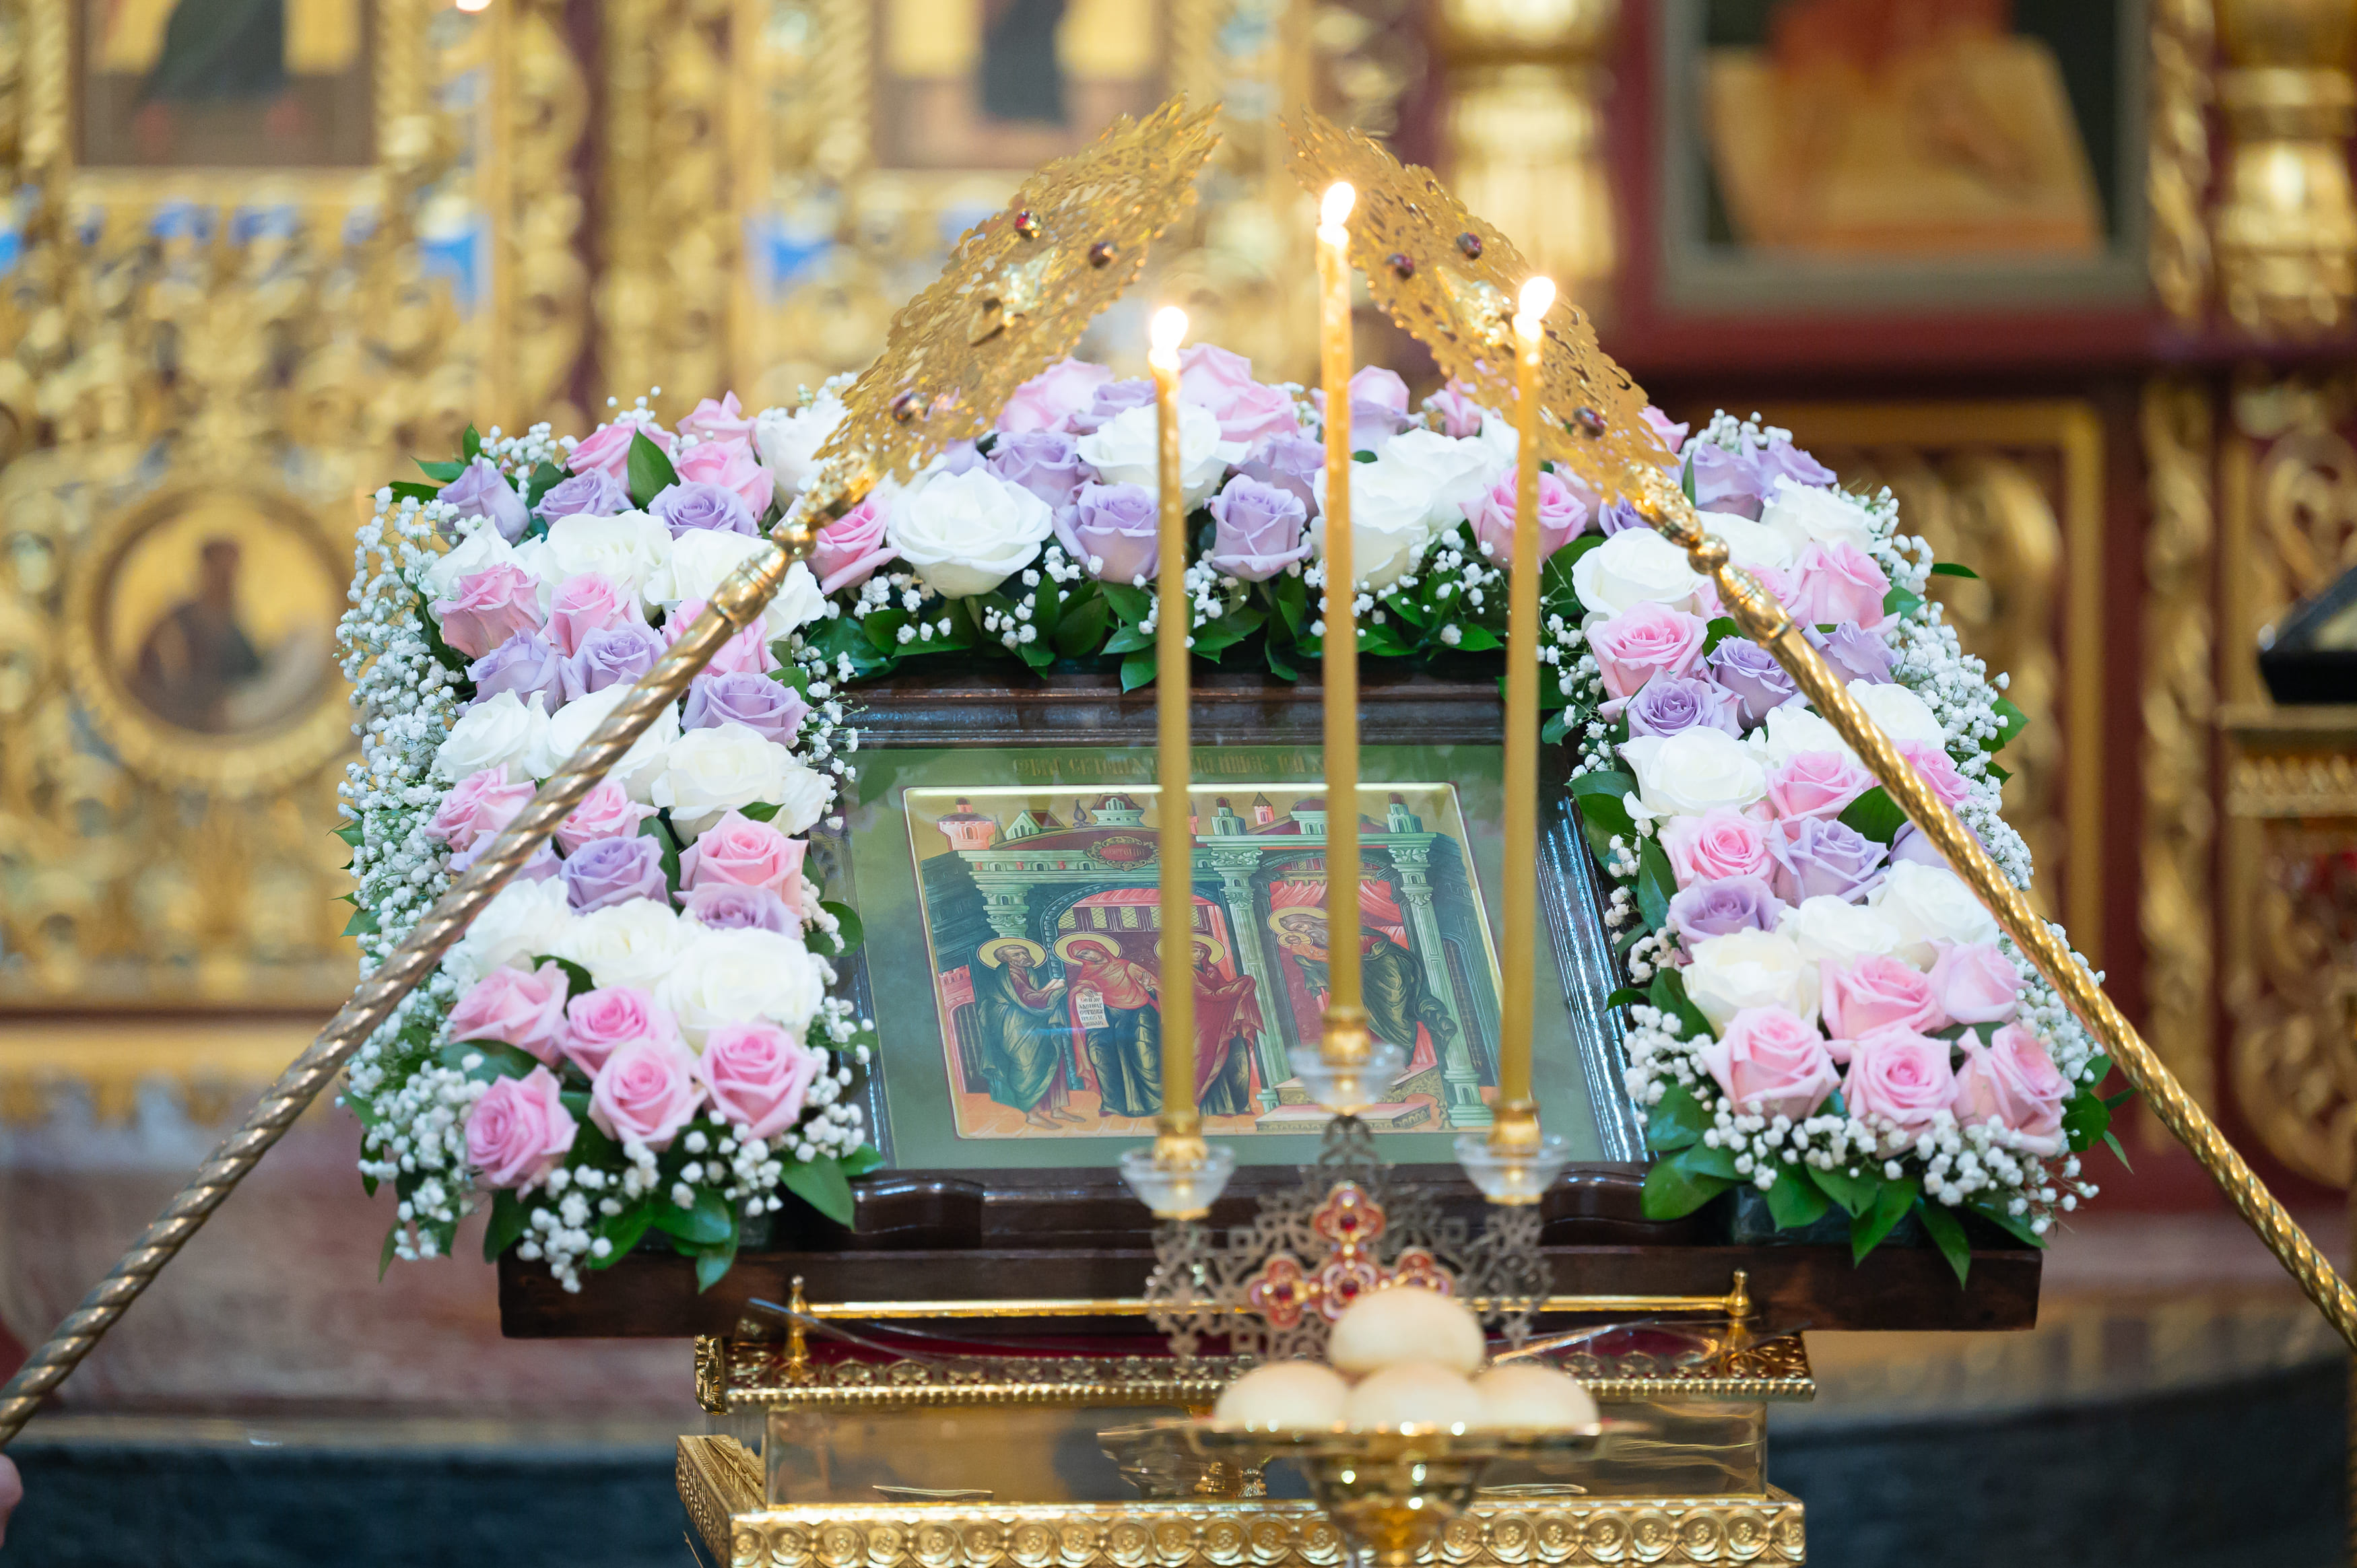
(2019, 260)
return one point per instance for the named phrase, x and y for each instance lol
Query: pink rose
(1938, 770)
(523, 1009)
(751, 855)
(1781, 582)
(519, 1130)
(479, 808)
(607, 448)
(722, 421)
(646, 1093)
(1715, 844)
(1563, 512)
(758, 1077)
(1460, 417)
(1838, 582)
(1899, 1076)
(1645, 640)
(487, 607)
(1375, 384)
(1668, 431)
(2012, 1082)
(1222, 382)
(732, 467)
(1772, 1062)
(1815, 784)
(606, 812)
(1048, 400)
(852, 547)
(1976, 984)
(749, 651)
(583, 603)
(596, 1021)
(1865, 993)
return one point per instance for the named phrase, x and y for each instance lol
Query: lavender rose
(1751, 672)
(593, 493)
(1909, 846)
(1815, 858)
(1780, 459)
(1110, 529)
(604, 872)
(1614, 516)
(1728, 481)
(481, 490)
(1720, 907)
(616, 654)
(741, 697)
(1045, 462)
(523, 664)
(960, 457)
(726, 906)
(1290, 463)
(1669, 704)
(1261, 530)
(1858, 653)
(1113, 399)
(691, 505)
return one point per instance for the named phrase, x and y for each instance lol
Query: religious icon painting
(1015, 960)
(224, 84)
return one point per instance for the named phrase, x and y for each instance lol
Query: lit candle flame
(1334, 209)
(1538, 298)
(474, 5)
(1164, 334)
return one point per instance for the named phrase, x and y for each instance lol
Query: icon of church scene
(1043, 921)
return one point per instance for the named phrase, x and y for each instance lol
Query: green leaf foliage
(1678, 1120)
(2013, 720)
(650, 472)
(1137, 670)
(1899, 602)
(622, 1231)
(363, 923)
(862, 1159)
(577, 979)
(471, 445)
(822, 1184)
(411, 490)
(1954, 569)
(665, 845)
(1874, 815)
(1669, 994)
(849, 932)
(712, 1262)
(1657, 884)
(1795, 1201)
(1891, 1204)
(1855, 1194)
(500, 1059)
(506, 1223)
(440, 473)
(545, 477)
(2085, 1120)
(1675, 1188)
(1993, 1210)
(705, 1225)
(1720, 628)
(1947, 1233)
(384, 1258)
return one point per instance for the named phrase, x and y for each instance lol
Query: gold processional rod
(1016, 293)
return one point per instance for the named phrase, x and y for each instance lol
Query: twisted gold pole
(1766, 622)
(733, 606)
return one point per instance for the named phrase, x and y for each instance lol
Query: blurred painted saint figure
(1026, 1038)
(219, 51)
(197, 656)
(1227, 1021)
(1114, 1010)
(1401, 1008)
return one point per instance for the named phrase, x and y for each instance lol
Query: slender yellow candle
(1517, 1123)
(1346, 1021)
(1174, 618)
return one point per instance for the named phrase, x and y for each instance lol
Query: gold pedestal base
(720, 1482)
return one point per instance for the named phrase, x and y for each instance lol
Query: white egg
(1413, 1393)
(1406, 1322)
(1285, 1396)
(1525, 1396)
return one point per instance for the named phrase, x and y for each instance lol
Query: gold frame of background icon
(714, 151)
(1968, 478)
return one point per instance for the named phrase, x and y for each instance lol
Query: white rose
(1127, 450)
(629, 547)
(1902, 714)
(1790, 729)
(803, 795)
(1753, 546)
(523, 919)
(1632, 567)
(1928, 904)
(1829, 929)
(492, 734)
(573, 723)
(702, 558)
(1391, 510)
(708, 772)
(728, 977)
(966, 533)
(636, 942)
(1453, 474)
(1693, 772)
(481, 550)
(1805, 515)
(1749, 969)
(789, 442)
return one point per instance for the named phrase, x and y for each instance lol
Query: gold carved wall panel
(2017, 490)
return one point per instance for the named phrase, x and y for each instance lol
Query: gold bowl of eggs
(1394, 1429)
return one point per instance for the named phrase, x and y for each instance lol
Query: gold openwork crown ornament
(1016, 293)
(1450, 279)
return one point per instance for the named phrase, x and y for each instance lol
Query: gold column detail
(2179, 690)
(1524, 134)
(2286, 221)
(546, 295)
(2177, 169)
